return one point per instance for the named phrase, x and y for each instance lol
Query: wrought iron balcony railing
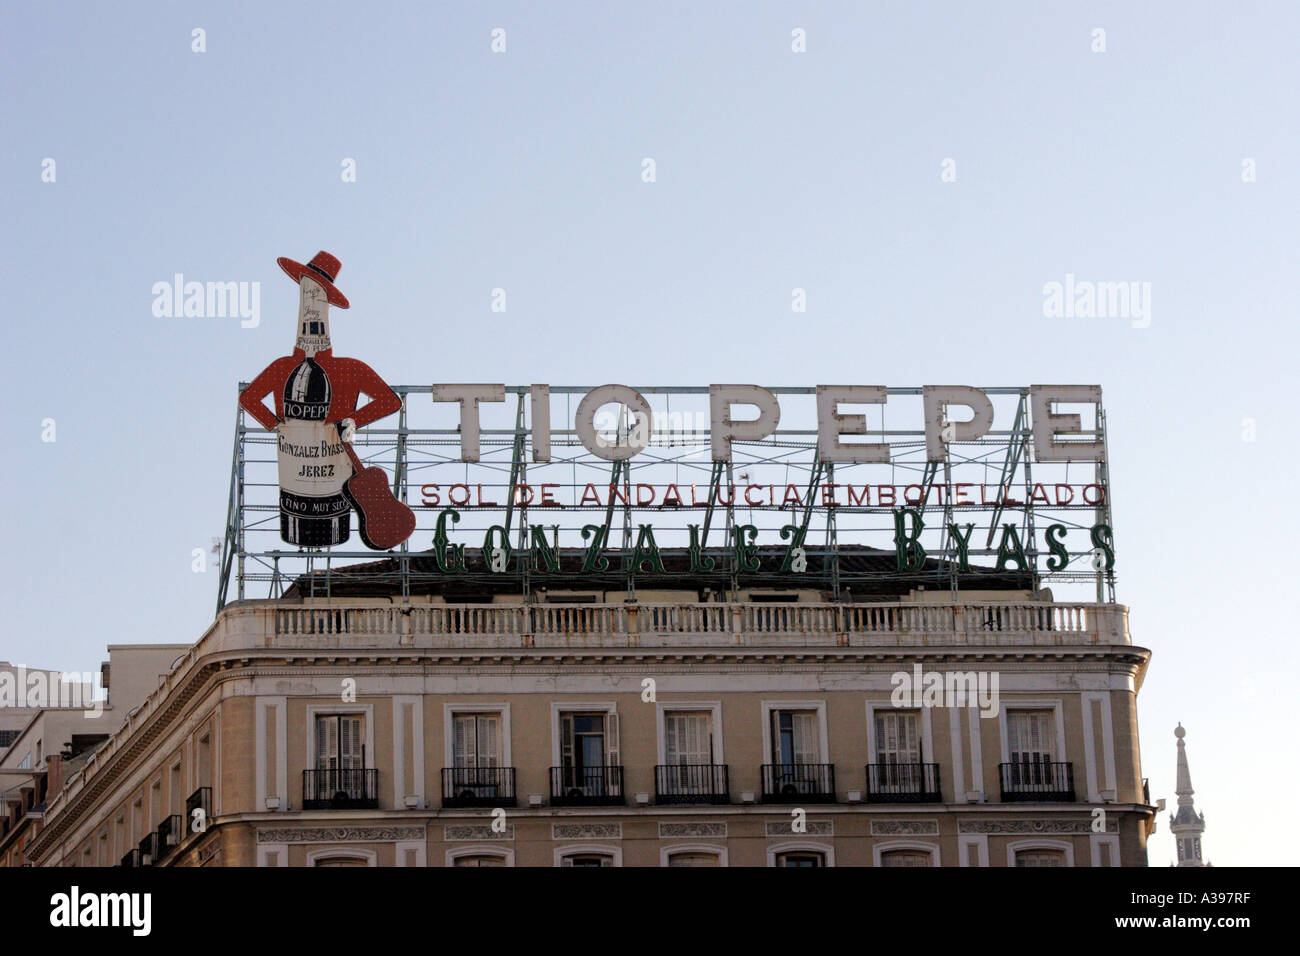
(691, 783)
(350, 789)
(200, 799)
(478, 787)
(903, 783)
(148, 850)
(798, 783)
(170, 833)
(587, 786)
(1034, 781)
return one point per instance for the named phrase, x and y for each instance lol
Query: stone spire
(1187, 825)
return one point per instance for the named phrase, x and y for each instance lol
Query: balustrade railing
(715, 623)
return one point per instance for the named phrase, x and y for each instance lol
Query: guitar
(382, 521)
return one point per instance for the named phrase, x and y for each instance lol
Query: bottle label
(313, 468)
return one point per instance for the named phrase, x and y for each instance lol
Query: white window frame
(1020, 845)
(879, 850)
(505, 853)
(713, 706)
(324, 710)
(669, 851)
(449, 712)
(819, 706)
(328, 853)
(825, 849)
(558, 707)
(927, 734)
(579, 849)
(1055, 705)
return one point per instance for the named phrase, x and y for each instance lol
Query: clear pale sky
(819, 170)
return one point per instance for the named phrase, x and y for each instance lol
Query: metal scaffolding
(819, 505)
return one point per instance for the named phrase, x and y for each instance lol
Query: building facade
(770, 726)
(53, 723)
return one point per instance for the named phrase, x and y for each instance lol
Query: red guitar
(382, 521)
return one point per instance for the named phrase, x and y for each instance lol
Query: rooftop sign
(528, 482)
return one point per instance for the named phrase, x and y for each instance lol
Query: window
(1030, 737)
(477, 772)
(898, 737)
(690, 768)
(339, 778)
(340, 856)
(479, 860)
(795, 737)
(898, 753)
(800, 858)
(7, 737)
(477, 740)
(340, 742)
(1031, 745)
(1040, 857)
(587, 860)
(905, 858)
(688, 737)
(693, 859)
(589, 752)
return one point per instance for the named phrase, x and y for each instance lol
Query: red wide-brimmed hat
(323, 268)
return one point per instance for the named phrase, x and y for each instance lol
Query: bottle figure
(316, 412)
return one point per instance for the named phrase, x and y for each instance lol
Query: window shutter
(909, 738)
(351, 752)
(465, 753)
(566, 744)
(806, 750)
(688, 738)
(327, 743)
(489, 740)
(1029, 736)
(611, 740)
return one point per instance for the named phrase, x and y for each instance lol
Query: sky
(921, 170)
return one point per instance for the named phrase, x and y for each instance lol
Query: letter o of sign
(638, 434)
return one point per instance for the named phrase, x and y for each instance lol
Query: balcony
(903, 783)
(1037, 782)
(799, 783)
(587, 786)
(170, 833)
(200, 799)
(700, 783)
(148, 850)
(350, 789)
(131, 860)
(882, 624)
(478, 787)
